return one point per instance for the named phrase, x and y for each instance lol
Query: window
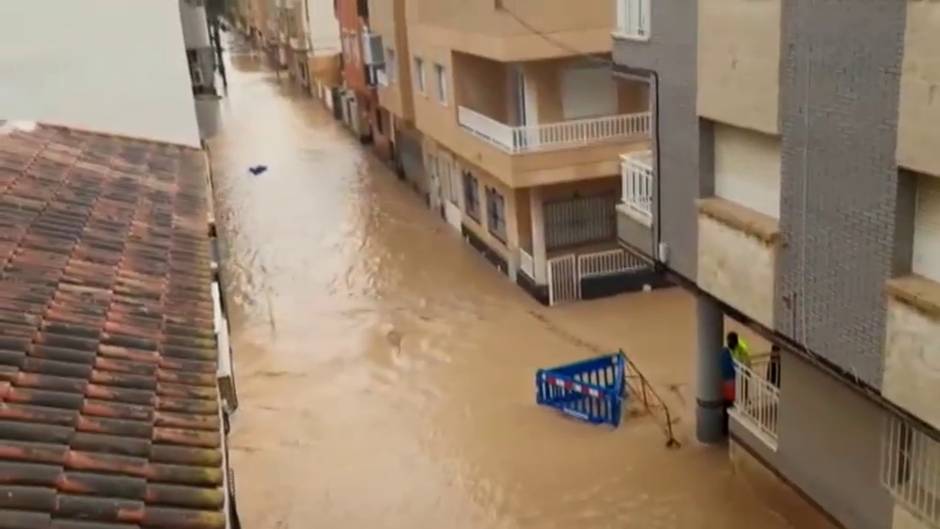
(441, 75)
(910, 469)
(496, 213)
(927, 228)
(419, 74)
(391, 67)
(633, 18)
(471, 195)
(747, 169)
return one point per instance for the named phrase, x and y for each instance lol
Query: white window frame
(420, 80)
(391, 65)
(633, 19)
(440, 72)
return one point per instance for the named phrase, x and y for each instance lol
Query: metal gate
(580, 221)
(566, 272)
(563, 282)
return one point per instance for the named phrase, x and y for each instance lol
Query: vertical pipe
(709, 412)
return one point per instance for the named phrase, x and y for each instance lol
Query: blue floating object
(591, 390)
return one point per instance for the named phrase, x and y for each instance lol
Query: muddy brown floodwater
(385, 370)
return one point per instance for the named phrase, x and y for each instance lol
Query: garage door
(588, 92)
(927, 228)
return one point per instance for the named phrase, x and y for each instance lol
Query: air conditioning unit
(373, 53)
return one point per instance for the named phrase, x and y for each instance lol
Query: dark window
(363, 8)
(496, 213)
(471, 195)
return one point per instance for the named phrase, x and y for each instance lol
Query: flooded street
(385, 370)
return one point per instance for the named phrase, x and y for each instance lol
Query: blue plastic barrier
(592, 390)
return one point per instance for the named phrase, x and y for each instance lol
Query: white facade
(111, 66)
(323, 27)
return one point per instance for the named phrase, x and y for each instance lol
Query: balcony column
(537, 212)
(709, 412)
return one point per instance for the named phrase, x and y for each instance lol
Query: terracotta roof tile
(109, 412)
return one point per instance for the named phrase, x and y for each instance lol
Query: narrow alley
(385, 370)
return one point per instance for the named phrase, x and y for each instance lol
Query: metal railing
(553, 135)
(910, 469)
(756, 398)
(608, 262)
(641, 387)
(583, 220)
(636, 170)
(526, 263)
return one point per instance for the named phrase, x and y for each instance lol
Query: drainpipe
(709, 402)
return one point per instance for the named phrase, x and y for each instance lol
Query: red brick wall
(351, 23)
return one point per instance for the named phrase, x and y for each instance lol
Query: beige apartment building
(522, 134)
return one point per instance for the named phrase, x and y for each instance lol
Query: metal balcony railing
(636, 170)
(756, 398)
(553, 135)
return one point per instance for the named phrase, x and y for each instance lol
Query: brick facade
(839, 182)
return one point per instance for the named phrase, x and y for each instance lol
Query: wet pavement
(385, 370)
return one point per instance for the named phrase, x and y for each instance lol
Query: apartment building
(200, 55)
(394, 86)
(794, 184)
(323, 48)
(523, 127)
(362, 57)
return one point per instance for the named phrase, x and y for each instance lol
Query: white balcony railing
(608, 262)
(636, 169)
(553, 135)
(756, 398)
(527, 263)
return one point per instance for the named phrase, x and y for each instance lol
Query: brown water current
(385, 370)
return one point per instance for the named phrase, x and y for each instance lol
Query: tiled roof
(109, 414)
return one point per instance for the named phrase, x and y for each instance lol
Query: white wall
(324, 27)
(747, 169)
(105, 65)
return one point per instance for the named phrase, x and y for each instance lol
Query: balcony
(743, 278)
(561, 135)
(636, 171)
(536, 123)
(757, 399)
(635, 210)
(912, 346)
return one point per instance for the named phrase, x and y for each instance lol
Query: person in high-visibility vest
(736, 350)
(739, 349)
